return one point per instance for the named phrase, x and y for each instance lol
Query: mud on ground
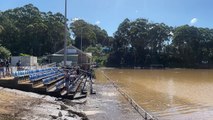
(19, 105)
(108, 104)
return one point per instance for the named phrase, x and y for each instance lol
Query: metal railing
(49, 65)
(138, 108)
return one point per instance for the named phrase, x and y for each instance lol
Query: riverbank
(19, 105)
(106, 104)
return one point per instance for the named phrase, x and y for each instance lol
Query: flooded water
(175, 94)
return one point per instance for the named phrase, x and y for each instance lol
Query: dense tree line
(89, 35)
(27, 30)
(142, 43)
(135, 43)
(91, 38)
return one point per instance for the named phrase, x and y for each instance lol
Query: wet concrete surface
(109, 104)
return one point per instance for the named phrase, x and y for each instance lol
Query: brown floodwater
(171, 94)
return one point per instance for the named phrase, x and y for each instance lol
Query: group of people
(4, 64)
(5, 67)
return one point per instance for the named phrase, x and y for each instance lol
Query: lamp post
(65, 35)
(81, 41)
(81, 38)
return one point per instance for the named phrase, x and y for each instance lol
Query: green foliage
(98, 56)
(4, 53)
(141, 43)
(136, 40)
(22, 54)
(27, 30)
(192, 45)
(88, 34)
(135, 43)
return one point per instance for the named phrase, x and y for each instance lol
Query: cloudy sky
(108, 14)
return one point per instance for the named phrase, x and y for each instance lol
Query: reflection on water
(168, 94)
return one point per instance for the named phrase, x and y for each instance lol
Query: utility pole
(65, 35)
(81, 44)
(81, 38)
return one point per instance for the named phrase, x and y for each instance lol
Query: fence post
(145, 116)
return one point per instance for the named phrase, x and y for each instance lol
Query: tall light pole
(82, 28)
(65, 35)
(81, 45)
(81, 38)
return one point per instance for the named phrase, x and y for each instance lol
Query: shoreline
(106, 104)
(109, 104)
(166, 68)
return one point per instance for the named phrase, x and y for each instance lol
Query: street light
(81, 41)
(82, 28)
(81, 38)
(65, 35)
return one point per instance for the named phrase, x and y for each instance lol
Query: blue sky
(108, 14)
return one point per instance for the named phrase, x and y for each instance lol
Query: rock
(60, 114)
(63, 107)
(53, 116)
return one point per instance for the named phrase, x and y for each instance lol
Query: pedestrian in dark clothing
(7, 64)
(2, 68)
(78, 70)
(89, 73)
(18, 65)
(67, 79)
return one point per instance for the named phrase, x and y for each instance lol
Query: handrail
(138, 108)
(49, 65)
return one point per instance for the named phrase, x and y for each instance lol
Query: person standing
(67, 79)
(18, 64)
(7, 64)
(1, 68)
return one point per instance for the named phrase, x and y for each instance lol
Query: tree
(158, 37)
(4, 53)
(139, 43)
(186, 41)
(27, 30)
(83, 33)
(97, 54)
(120, 44)
(89, 34)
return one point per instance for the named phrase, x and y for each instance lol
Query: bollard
(145, 116)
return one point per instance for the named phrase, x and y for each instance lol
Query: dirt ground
(18, 105)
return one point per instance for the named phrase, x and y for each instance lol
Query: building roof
(73, 47)
(61, 55)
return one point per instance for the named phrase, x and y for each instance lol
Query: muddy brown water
(173, 94)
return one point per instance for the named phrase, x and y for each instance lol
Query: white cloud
(193, 21)
(171, 33)
(98, 22)
(136, 11)
(75, 19)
